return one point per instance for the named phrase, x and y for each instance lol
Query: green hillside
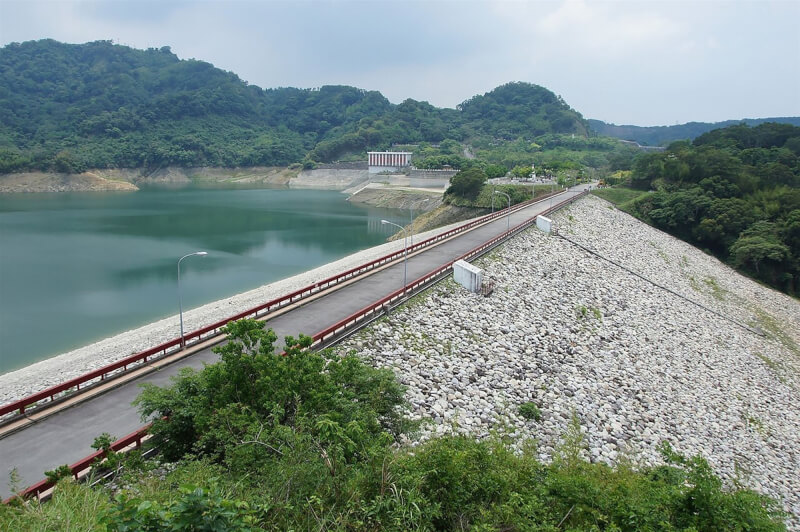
(67, 107)
(734, 192)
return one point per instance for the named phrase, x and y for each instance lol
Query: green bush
(195, 509)
(467, 183)
(260, 401)
(62, 471)
(530, 411)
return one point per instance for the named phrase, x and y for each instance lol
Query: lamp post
(508, 216)
(180, 302)
(405, 249)
(412, 219)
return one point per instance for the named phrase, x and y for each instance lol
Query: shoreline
(40, 375)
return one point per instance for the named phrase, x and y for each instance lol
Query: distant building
(387, 161)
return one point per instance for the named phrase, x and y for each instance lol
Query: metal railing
(82, 467)
(118, 368)
(379, 307)
(322, 338)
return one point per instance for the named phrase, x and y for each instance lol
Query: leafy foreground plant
(307, 441)
(255, 405)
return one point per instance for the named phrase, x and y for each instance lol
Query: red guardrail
(330, 333)
(94, 377)
(81, 467)
(344, 325)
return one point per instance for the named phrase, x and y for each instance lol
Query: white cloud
(644, 62)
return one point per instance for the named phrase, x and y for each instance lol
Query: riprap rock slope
(635, 363)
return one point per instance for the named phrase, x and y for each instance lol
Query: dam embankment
(586, 339)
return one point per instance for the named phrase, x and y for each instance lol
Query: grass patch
(73, 507)
(416, 300)
(619, 196)
(717, 292)
(493, 256)
(756, 424)
(772, 329)
(530, 411)
(661, 252)
(773, 366)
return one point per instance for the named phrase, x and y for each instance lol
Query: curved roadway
(66, 436)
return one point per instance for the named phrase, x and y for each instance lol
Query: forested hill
(734, 192)
(68, 107)
(661, 135)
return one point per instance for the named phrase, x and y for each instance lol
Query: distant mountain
(68, 107)
(662, 135)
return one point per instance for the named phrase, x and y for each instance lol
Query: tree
(521, 172)
(758, 245)
(495, 170)
(65, 163)
(467, 183)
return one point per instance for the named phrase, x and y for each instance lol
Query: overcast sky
(645, 62)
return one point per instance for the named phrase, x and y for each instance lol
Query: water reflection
(75, 268)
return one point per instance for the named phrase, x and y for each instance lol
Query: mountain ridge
(659, 135)
(94, 105)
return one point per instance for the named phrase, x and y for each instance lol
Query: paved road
(66, 437)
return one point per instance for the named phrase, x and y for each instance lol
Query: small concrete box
(467, 275)
(545, 224)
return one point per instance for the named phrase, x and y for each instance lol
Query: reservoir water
(79, 267)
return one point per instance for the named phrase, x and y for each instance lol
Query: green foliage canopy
(734, 191)
(257, 402)
(467, 183)
(67, 108)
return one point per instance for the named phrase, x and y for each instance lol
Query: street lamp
(405, 249)
(180, 303)
(508, 217)
(412, 219)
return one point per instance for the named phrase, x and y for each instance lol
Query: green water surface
(79, 267)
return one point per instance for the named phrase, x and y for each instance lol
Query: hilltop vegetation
(67, 107)
(734, 192)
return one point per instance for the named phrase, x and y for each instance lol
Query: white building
(387, 161)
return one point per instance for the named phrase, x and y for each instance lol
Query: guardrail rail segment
(334, 331)
(119, 367)
(82, 467)
(321, 338)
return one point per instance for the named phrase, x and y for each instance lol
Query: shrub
(62, 471)
(256, 399)
(530, 411)
(467, 183)
(195, 509)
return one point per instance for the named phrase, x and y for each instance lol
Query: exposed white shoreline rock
(17, 384)
(636, 364)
